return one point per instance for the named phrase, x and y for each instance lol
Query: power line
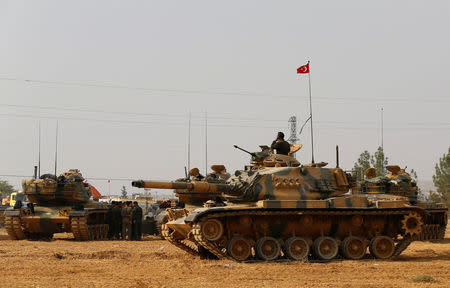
(185, 116)
(206, 92)
(130, 122)
(322, 124)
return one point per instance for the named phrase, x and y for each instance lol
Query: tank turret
(277, 183)
(68, 188)
(396, 182)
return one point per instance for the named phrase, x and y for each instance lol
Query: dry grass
(155, 263)
(423, 278)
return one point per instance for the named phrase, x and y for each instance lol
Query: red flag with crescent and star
(303, 69)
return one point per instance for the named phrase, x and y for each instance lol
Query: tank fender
(420, 210)
(196, 214)
(12, 213)
(77, 213)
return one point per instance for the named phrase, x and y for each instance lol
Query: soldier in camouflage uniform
(137, 221)
(126, 221)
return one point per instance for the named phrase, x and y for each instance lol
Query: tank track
(14, 228)
(182, 244)
(211, 247)
(85, 232)
(429, 231)
(402, 245)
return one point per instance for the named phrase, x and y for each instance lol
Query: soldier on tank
(137, 221)
(280, 145)
(219, 173)
(126, 221)
(195, 174)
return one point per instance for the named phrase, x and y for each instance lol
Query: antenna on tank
(337, 156)
(56, 148)
(189, 142)
(382, 128)
(206, 142)
(39, 151)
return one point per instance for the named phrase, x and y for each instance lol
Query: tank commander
(280, 145)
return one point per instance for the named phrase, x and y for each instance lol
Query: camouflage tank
(277, 208)
(399, 182)
(57, 205)
(190, 199)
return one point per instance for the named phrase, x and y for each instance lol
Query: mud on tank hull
(299, 230)
(88, 223)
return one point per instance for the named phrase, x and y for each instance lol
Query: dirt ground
(155, 263)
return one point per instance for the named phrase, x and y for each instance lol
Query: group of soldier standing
(124, 220)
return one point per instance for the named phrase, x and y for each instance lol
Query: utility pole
(382, 130)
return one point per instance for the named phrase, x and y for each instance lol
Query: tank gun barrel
(250, 153)
(192, 186)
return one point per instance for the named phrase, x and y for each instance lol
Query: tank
(55, 205)
(2, 215)
(399, 182)
(276, 208)
(190, 199)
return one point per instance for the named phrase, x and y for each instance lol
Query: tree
(362, 164)
(414, 177)
(124, 192)
(379, 161)
(441, 179)
(5, 189)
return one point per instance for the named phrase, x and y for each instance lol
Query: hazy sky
(122, 76)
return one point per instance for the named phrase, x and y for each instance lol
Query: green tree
(379, 161)
(124, 192)
(362, 164)
(5, 189)
(415, 178)
(441, 179)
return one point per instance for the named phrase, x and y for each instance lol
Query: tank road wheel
(268, 248)
(239, 248)
(354, 247)
(212, 229)
(382, 247)
(326, 248)
(296, 248)
(412, 224)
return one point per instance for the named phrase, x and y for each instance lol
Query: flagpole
(311, 115)
(189, 142)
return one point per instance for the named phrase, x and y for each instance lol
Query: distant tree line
(441, 180)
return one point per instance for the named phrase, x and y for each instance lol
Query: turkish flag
(303, 69)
